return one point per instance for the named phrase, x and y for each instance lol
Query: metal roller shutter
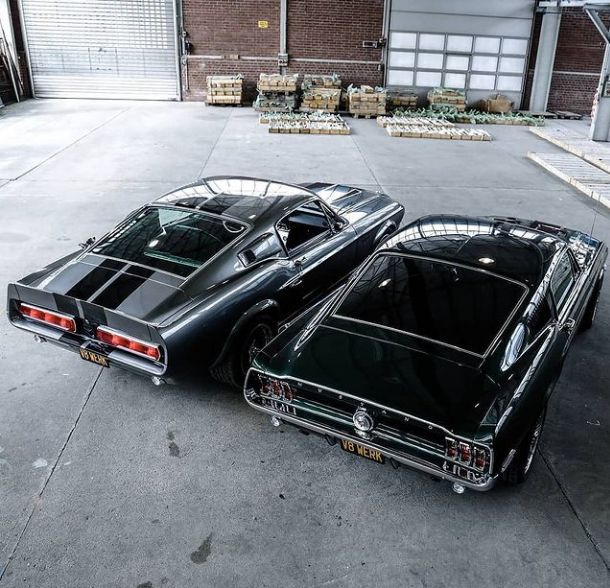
(102, 48)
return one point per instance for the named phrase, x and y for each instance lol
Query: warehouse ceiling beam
(593, 14)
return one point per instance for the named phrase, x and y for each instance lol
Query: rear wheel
(519, 469)
(589, 317)
(248, 342)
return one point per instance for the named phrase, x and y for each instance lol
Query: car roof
(244, 198)
(506, 248)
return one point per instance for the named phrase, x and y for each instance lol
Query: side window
(562, 279)
(265, 246)
(540, 317)
(302, 225)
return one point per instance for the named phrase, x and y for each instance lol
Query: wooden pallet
(597, 154)
(584, 176)
(567, 114)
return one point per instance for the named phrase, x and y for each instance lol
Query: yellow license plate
(362, 451)
(94, 357)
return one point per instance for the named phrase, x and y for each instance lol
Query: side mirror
(90, 241)
(339, 224)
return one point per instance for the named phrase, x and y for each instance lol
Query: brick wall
(226, 39)
(578, 61)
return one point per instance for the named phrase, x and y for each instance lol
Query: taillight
(480, 459)
(56, 319)
(274, 388)
(467, 453)
(128, 343)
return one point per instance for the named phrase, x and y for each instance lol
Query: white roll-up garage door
(477, 46)
(102, 48)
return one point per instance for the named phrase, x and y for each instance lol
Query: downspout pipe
(283, 54)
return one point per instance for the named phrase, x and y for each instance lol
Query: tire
(248, 342)
(589, 317)
(519, 469)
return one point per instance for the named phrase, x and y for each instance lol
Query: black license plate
(362, 451)
(94, 357)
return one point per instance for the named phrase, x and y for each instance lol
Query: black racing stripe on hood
(95, 279)
(118, 291)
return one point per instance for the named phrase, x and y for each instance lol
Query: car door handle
(568, 325)
(299, 262)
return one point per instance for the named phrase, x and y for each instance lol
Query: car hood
(143, 293)
(380, 369)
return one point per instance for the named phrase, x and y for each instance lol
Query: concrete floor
(106, 480)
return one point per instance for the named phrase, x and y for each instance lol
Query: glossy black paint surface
(420, 390)
(195, 318)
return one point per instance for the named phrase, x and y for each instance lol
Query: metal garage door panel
(482, 46)
(102, 48)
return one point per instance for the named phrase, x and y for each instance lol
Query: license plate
(94, 357)
(362, 451)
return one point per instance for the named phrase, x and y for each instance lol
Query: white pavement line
(574, 511)
(87, 134)
(205, 163)
(585, 177)
(48, 478)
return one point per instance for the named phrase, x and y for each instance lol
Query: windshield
(456, 306)
(175, 241)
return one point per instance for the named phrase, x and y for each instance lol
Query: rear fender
(264, 307)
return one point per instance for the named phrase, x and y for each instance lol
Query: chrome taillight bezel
(467, 453)
(71, 320)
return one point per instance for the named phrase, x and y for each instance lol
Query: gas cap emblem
(363, 421)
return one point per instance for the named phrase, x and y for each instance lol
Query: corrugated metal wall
(102, 48)
(480, 46)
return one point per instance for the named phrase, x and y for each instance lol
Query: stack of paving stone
(404, 129)
(384, 121)
(366, 101)
(401, 99)
(315, 123)
(321, 92)
(276, 93)
(224, 89)
(440, 98)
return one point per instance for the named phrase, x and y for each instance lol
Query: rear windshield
(175, 241)
(446, 303)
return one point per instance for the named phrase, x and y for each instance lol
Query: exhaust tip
(458, 488)
(39, 339)
(276, 422)
(157, 381)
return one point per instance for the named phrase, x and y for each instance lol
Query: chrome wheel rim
(533, 445)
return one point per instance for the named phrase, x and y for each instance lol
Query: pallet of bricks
(384, 121)
(433, 129)
(224, 89)
(315, 123)
(440, 98)
(403, 99)
(366, 101)
(321, 93)
(276, 93)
